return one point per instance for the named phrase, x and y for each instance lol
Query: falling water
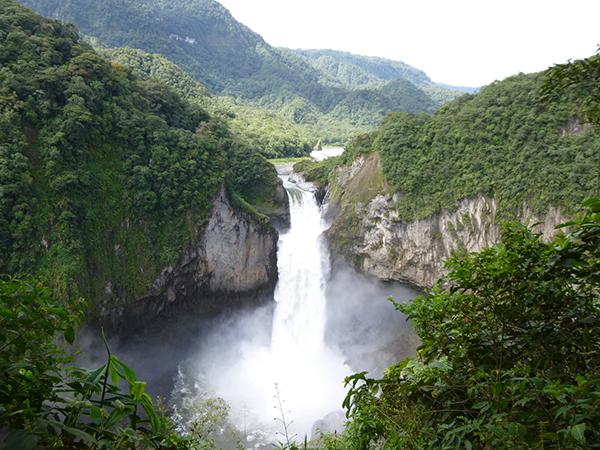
(308, 373)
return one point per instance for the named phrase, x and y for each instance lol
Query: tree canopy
(104, 177)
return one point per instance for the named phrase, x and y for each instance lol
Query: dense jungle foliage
(204, 39)
(75, 129)
(507, 142)
(509, 355)
(48, 402)
(268, 132)
(511, 141)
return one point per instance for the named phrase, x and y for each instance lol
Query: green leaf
(151, 412)
(79, 434)
(137, 389)
(562, 410)
(124, 371)
(578, 432)
(69, 334)
(116, 417)
(95, 377)
(20, 440)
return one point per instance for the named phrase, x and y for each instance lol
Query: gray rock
(233, 264)
(390, 248)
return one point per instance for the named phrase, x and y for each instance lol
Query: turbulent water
(292, 361)
(309, 375)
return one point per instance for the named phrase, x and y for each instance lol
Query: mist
(284, 362)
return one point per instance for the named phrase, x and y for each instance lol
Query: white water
(308, 373)
(327, 152)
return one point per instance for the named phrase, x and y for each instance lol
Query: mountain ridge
(203, 38)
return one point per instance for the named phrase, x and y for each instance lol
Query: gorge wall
(233, 264)
(367, 229)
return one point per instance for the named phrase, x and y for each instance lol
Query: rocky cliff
(367, 229)
(233, 264)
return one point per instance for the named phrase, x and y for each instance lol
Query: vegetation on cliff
(104, 177)
(511, 141)
(509, 352)
(508, 142)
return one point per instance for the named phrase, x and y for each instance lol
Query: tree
(510, 354)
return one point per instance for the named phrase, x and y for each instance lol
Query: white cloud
(463, 42)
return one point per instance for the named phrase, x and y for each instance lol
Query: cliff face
(367, 228)
(233, 264)
(280, 216)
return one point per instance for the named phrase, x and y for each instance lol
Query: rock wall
(233, 264)
(369, 231)
(280, 217)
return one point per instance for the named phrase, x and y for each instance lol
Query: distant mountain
(352, 71)
(347, 70)
(468, 90)
(203, 38)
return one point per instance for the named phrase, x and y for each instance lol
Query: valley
(208, 241)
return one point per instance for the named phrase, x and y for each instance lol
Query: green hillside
(268, 132)
(204, 39)
(104, 177)
(507, 141)
(510, 141)
(346, 70)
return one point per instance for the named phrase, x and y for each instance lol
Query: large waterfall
(290, 359)
(308, 374)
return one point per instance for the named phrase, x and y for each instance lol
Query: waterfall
(299, 321)
(308, 373)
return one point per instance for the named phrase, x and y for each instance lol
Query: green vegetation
(47, 402)
(202, 38)
(509, 354)
(268, 132)
(342, 69)
(505, 142)
(317, 172)
(75, 129)
(511, 141)
(581, 77)
(287, 160)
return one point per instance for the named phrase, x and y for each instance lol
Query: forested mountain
(509, 142)
(268, 132)
(343, 69)
(204, 39)
(103, 176)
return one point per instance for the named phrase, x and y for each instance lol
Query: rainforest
(208, 241)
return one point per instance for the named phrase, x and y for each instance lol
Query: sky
(459, 42)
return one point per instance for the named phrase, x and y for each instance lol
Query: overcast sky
(460, 42)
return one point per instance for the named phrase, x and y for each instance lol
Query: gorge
(201, 233)
(297, 350)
